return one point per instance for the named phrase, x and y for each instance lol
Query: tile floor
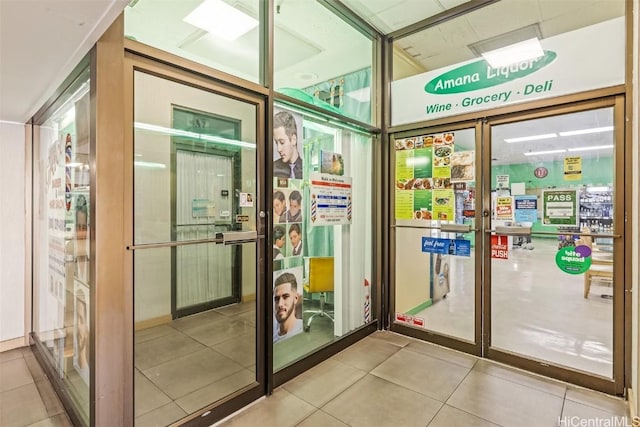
(186, 364)
(391, 380)
(26, 395)
(383, 380)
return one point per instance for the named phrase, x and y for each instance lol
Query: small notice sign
(242, 218)
(499, 247)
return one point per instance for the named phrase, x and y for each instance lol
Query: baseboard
(13, 343)
(155, 321)
(248, 298)
(631, 398)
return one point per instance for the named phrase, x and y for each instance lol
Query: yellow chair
(320, 281)
(601, 263)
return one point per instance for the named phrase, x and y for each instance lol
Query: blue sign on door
(436, 245)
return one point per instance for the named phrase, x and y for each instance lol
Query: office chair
(320, 281)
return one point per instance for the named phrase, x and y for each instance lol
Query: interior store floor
(191, 362)
(537, 310)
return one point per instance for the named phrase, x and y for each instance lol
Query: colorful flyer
(443, 205)
(504, 208)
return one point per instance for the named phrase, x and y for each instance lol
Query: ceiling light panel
(220, 19)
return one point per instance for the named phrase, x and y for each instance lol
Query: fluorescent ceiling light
(73, 165)
(586, 131)
(195, 135)
(220, 19)
(532, 137)
(595, 147)
(517, 52)
(535, 153)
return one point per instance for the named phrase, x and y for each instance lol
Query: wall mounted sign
(541, 172)
(476, 86)
(573, 168)
(559, 207)
(526, 208)
(331, 201)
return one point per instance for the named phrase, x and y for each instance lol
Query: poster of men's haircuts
(287, 144)
(287, 304)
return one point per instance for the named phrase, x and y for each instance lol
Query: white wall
(13, 328)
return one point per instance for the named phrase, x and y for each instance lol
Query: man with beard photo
(285, 298)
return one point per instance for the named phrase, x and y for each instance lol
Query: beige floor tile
(537, 382)
(14, 374)
(575, 413)
(505, 403)
(604, 402)
(402, 407)
(147, 396)
(184, 375)
(34, 368)
(449, 416)
(366, 354)
(49, 398)
(235, 309)
(152, 333)
(323, 382)
(162, 416)
(200, 398)
(241, 349)
(248, 316)
(198, 319)
(61, 420)
(16, 353)
(421, 373)
(391, 337)
(442, 353)
(281, 409)
(321, 419)
(21, 406)
(163, 349)
(212, 333)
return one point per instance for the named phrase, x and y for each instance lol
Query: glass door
(554, 290)
(197, 242)
(437, 242)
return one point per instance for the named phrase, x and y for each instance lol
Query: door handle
(455, 228)
(234, 237)
(511, 230)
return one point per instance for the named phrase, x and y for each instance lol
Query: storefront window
(322, 227)
(62, 285)
(322, 60)
(218, 34)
